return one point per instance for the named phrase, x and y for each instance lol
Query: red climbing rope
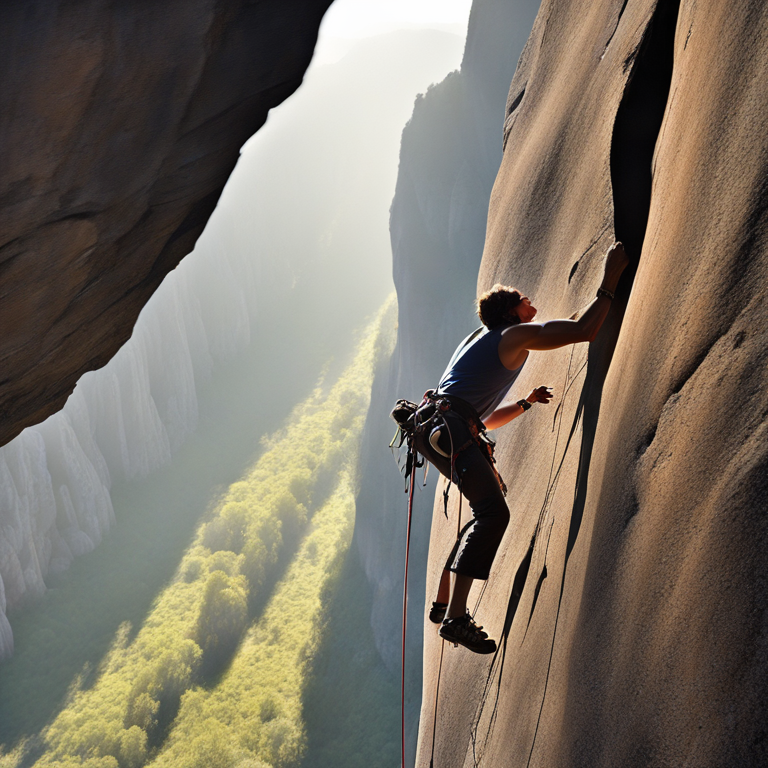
(405, 604)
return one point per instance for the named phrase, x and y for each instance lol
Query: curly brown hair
(495, 306)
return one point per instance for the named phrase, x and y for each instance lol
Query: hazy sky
(349, 20)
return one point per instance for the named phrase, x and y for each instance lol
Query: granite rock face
(118, 129)
(629, 596)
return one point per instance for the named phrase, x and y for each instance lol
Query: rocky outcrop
(119, 128)
(629, 595)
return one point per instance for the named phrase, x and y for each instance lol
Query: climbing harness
(429, 417)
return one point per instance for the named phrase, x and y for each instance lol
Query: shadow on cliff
(638, 123)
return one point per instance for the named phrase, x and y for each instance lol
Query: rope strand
(405, 606)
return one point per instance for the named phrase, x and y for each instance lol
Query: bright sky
(349, 20)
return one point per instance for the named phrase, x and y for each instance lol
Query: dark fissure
(637, 127)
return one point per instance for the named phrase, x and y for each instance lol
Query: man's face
(525, 310)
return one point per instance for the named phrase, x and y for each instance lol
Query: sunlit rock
(629, 596)
(27, 517)
(128, 427)
(78, 488)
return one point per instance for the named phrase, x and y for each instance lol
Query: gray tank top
(476, 374)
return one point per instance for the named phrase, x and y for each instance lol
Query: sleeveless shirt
(476, 374)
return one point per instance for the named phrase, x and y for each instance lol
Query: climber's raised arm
(559, 333)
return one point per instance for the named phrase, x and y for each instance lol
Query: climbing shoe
(464, 631)
(437, 612)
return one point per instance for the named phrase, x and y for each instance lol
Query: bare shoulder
(513, 347)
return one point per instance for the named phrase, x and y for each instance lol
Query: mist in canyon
(163, 521)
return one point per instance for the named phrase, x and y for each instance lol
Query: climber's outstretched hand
(540, 395)
(616, 261)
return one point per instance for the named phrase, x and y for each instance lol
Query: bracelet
(604, 292)
(524, 404)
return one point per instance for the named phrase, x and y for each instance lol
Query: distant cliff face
(449, 156)
(629, 595)
(119, 128)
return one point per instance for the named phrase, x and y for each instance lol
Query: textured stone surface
(119, 125)
(634, 633)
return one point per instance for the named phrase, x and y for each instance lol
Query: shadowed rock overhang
(119, 126)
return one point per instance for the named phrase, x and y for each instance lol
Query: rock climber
(453, 419)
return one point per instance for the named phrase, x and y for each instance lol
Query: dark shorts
(477, 481)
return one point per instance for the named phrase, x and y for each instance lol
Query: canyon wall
(119, 127)
(629, 597)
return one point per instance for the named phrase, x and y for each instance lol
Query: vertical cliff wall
(119, 126)
(629, 596)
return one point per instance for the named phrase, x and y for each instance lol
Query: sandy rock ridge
(630, 595)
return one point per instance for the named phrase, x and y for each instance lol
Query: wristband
(604, 292)
(524, 404)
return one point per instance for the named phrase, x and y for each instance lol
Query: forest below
(220, 669)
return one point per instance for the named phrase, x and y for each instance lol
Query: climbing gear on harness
(434, 441)
(463, 631)
(430, 415)
(604, 292)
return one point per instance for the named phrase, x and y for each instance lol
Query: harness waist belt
(463, 409)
